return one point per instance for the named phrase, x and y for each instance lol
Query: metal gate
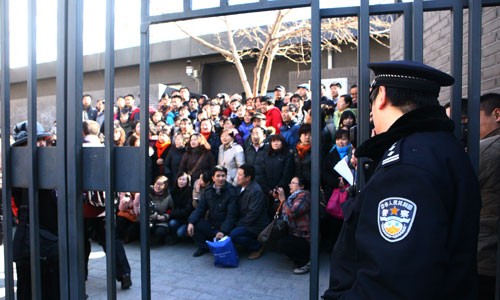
(61, 167)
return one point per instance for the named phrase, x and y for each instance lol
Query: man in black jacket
(411, 232)
(253, 212)
(220, 201)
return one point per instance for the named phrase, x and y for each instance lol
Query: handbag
(338, 197)
(127, 214)
(224, 252)
(275, 230)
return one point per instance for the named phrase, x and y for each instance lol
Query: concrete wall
(168, 61)
(437, 47)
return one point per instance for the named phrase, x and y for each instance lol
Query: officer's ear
(381, 100)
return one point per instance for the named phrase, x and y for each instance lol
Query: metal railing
(62, 167)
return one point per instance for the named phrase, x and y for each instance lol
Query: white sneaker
(302, 270)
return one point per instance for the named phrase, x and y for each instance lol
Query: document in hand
(343, 169)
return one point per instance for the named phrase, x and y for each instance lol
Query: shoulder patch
(395, 217)
(391, 156)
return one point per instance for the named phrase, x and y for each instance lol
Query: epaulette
(391, 156)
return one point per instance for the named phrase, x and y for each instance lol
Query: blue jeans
(179, 228)
(242, 236)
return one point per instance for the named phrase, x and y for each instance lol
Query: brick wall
(437, 45)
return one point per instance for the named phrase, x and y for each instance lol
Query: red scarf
(302, 150)
(160, 148)
(206, 135)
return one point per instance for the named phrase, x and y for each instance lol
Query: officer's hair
(408, 99)
(489, 102)
(248, 170)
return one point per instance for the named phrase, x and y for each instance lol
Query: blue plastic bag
(224, 252)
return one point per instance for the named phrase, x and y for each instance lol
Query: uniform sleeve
(401, 237)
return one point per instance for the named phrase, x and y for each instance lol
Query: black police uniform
(411, 233)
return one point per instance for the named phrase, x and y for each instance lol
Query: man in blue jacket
(411, 232)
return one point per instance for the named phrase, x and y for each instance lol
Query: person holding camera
(296, 211)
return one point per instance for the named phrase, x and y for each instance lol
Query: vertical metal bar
(6, 181)
(364, 72)
(187, 6)
(363, 82)
(62, 196)
(74, 150)
(33, 160)
(474, 80)
(418, 30)
(316, 147)
(143, 152)
(456, 50)
(109, 73)
(408, 33)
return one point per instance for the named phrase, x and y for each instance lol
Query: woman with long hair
(182, 195)
(197, 157)
(347, 120)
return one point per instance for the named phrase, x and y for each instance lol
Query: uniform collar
(425, 119)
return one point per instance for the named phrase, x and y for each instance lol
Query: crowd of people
(222, 166)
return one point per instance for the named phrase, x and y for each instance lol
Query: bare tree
(291, 40)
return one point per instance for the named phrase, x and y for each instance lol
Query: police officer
(411, 232)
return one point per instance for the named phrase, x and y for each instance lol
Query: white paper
(343, 169)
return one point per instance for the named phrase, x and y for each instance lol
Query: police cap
(410, 75)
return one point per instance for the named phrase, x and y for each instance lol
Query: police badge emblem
(395, 218)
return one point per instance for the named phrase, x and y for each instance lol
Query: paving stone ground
(175, 274)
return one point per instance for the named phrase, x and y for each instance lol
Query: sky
(127, 20)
